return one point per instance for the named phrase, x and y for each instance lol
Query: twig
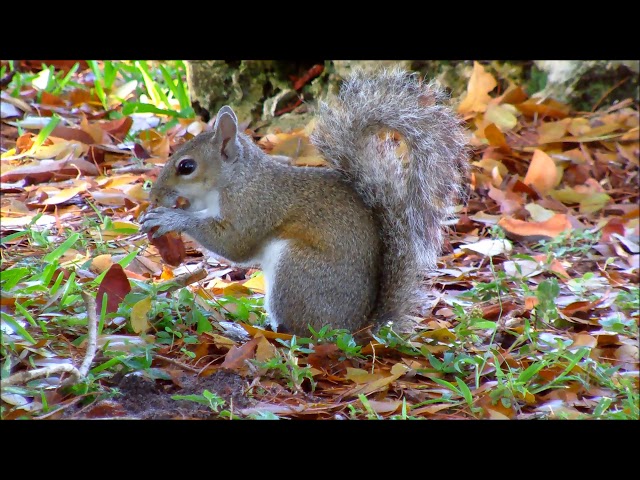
(177, 363)
(608, 92)
(76, 375)
(184, 279)
(135, 169)
(63, 407)
(26, 375)
(92, 339)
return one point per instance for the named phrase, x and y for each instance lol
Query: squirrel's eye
(186, 166)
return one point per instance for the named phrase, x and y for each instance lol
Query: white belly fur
(268, 260)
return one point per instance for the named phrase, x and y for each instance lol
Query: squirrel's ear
(226, 109)
(226, 135)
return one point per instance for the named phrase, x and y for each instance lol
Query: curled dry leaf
(535, 231)
(171, 247)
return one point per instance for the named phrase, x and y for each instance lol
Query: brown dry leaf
(118, 128)
(397, 371)
(323, 356)
(171, 247)
(236, 357)
(69, 133)
(265, 350)
(360, 376)
(553, 131)
(508, 201)
(543, 173)
(155, 143)
(477, 98)
(44, 171)
(386, 406)
(584, 340)
(98, 135)
(536, 230)
(116, 285)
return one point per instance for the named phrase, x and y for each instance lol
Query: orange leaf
(480, 84)
(254, 332)
(496, 137)
(536, 230)
(542, 173)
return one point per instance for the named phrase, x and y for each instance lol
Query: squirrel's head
(198, 166)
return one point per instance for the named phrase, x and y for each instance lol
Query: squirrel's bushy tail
(411, 200)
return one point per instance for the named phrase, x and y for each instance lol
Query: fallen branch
(27, 375)
(184, 279)
(75, 375)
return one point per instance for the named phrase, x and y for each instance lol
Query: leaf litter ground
(533, 310)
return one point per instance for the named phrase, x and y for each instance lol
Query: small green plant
(569, 243)
(286, 364)
(211, 400)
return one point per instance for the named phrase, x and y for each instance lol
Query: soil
(143, 398)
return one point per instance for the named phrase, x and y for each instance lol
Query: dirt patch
(144, 398)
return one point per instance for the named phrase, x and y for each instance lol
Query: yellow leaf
(568, 195)
(538, 213)
(256, 284)
(236, 290)
(399, 369)
(594, 202)
(552, 131)
(361, 376)
(65, 194)
(101, 263)
(480, 84)
(442, 335)
(503, 116)
(139, 321)
(254, 332)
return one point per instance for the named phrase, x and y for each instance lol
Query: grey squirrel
(346, 246)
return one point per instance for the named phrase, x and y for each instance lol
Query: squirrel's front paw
(166, 219)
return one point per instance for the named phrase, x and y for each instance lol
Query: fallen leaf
(170, 246)
(236, 357)
(480, 84)
(536, 230)
(489, 247)
(542, 173)
(116, 285)
(139, 320)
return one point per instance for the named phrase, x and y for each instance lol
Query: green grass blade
(153, 89)
(98, 83)
(17, 327)
(464, 389)
(45, 132)
(58, 252)
(63, 83)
